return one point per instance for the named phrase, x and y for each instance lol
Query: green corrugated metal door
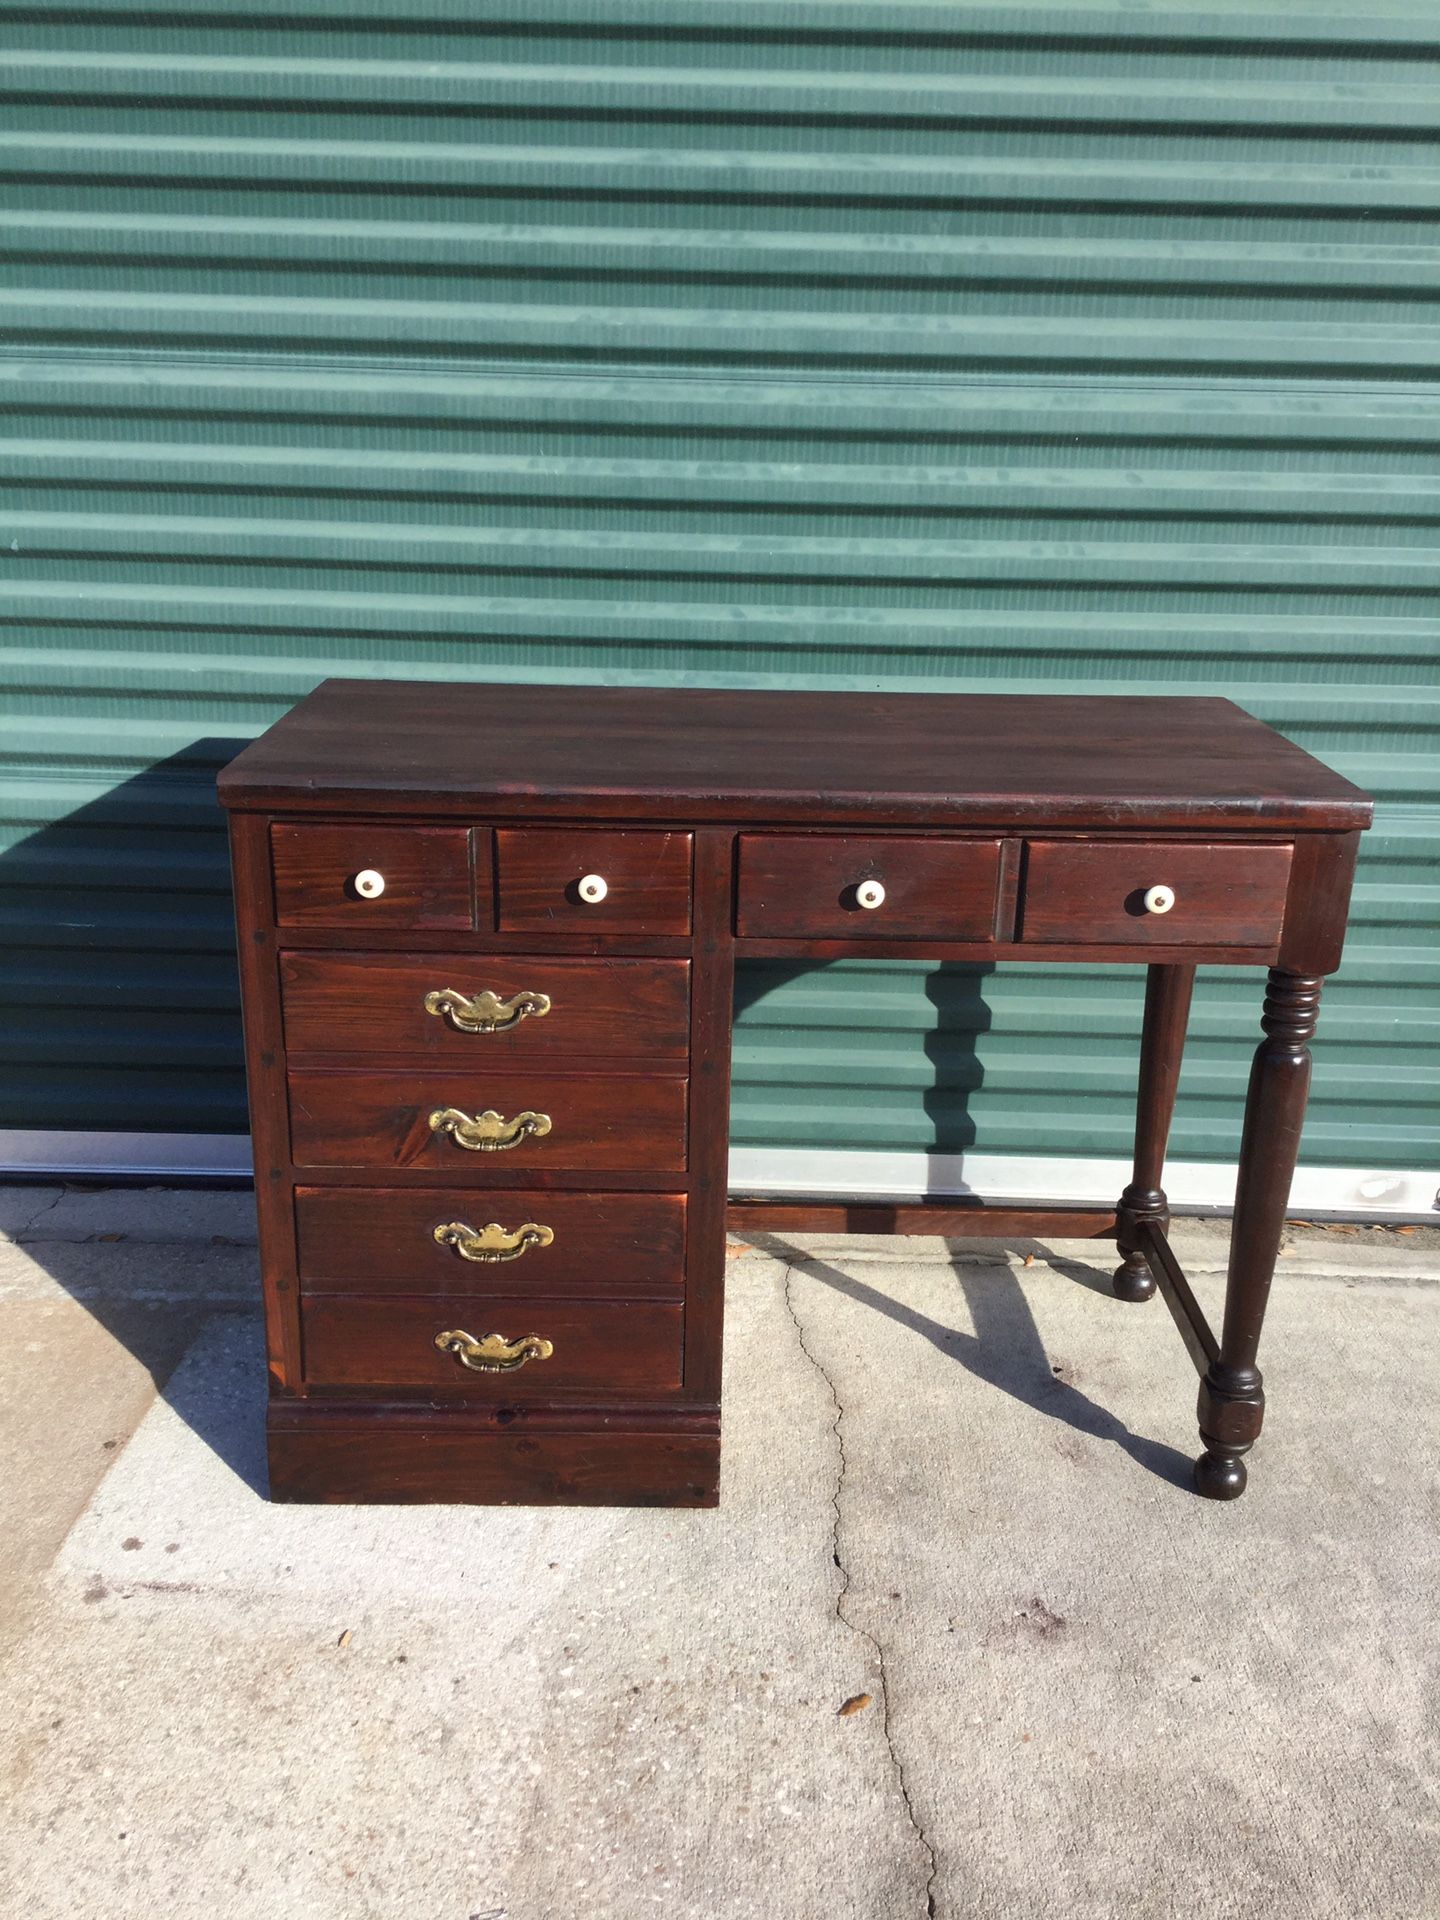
(812, 343)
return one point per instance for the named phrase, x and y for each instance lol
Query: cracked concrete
(837, 1431)
(952, 1481)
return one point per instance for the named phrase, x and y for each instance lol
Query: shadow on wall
(950, 1045)
(119, 1012)
(119, 1000)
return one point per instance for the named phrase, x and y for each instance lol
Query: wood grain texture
(620, 1245)
(1092, 890)
(712, 1011)
(760, 1213)
(381, 1119)
(374, 1003)
(1321, 879)
(691, 755)
(988, 952)
(387, 1341)
(1232, 1396)
(269, 1109)
(806, 884)
(385, 1458)
(426, 871)
(1168, 992)
(537, 871)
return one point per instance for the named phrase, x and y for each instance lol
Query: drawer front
(390, 1342)
(360, 876)
(589, 880)
(856, 887)
(1094, 892)
(473, 1009)
(622, 1246)
(549, 1121)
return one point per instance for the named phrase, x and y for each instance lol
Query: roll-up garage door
(828, 343)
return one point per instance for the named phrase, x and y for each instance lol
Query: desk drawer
(477, 1009)
(1114, 893)
(625, 1246)
(821, 886)
(551, 1121)
(390, 1342)
(361, 876)
(592, 880)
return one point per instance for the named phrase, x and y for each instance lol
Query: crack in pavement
(39, 1214)
(845, 1620)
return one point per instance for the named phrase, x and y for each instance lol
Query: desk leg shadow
(1005, 1349)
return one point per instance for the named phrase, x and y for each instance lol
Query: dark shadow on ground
(1005, 1350)
(119, 1013)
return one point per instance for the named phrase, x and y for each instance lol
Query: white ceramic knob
(593, 889)
(1159, 899)
(369, 884)
(870, 893)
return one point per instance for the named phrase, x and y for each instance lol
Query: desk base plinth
(403, 1455)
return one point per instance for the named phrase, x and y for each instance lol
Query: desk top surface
(715, 754)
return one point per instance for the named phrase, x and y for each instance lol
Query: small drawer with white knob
(592, 879)
(363, 876)
(867, 886)
(1119, 893)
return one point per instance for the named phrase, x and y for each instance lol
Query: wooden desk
(487, 942)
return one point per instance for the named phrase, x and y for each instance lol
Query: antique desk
(488, 938)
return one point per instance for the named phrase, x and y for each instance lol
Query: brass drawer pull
(493, 1353)
(492, 1241)
(488, 1132)
(485, 1012)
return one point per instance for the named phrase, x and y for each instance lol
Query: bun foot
(1133, 1279)
(1220, 1476)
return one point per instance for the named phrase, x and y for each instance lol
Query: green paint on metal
(812, 342)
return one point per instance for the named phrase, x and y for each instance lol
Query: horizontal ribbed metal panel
(819, 343)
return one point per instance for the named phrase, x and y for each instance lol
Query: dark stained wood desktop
(709, 754)
(725, 824)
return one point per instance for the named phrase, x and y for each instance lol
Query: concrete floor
(954, 1482)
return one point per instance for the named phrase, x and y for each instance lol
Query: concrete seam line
(854, 1626)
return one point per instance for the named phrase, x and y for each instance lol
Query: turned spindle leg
(1232, 1398)
(1162, 1041)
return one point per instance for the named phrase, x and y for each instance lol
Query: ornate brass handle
(493, 1353)
(493, 1242)
(488, 1132)
(485, 1012)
